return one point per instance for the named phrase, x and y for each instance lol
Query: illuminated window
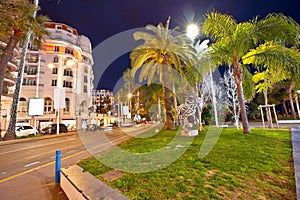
(48, 106)
(22, 108)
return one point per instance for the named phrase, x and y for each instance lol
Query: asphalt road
(27, 167)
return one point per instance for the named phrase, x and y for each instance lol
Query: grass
(254, 166)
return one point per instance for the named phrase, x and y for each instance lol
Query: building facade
(8, 84)
(65, 61)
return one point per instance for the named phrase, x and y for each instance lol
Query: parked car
(51, 129)
(24, 130)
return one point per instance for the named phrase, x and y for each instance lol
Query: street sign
(36, 107)
(59, 98)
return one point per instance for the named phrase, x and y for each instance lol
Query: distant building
(103, 101)
(65, 61)
(8, 85)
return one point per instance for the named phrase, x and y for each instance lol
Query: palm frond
(219, 27)
(275, 55)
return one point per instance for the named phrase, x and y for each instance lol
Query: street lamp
(60, 93)
(192, 32)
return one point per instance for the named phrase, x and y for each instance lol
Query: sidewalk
(296, 156)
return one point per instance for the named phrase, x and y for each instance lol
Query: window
(54, 83)
(56, 48)
(48, 106)
(86, 70)
(85, 79)
(58, 27)
(68, 72)
(32, 58)
(22, 108)
(67, 84)
(31, 82)
(69, 30)
(67, 108)
(55, 59)
(69, 51)
(85, 89)
(54, 70)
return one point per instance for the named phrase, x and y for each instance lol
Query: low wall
(79, 185)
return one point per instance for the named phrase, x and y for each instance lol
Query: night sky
(101, 19)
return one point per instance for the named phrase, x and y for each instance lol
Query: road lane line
(1, 173)
(71, 151)
(53, 162)
(33, 163)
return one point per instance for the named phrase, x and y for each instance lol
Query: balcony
(12, 65)
(32, 60)
(31, 72)
(9, 79)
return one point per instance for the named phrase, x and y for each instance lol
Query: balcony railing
(32, 72)
(10, 76)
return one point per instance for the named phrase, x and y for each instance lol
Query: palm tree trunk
(11, 130)
(159, 109)
(5, 58)
(290, 92)
(238, 77)
(175, 104)
(169, 123)
(285, 112)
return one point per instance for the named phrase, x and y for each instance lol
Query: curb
(44, 137)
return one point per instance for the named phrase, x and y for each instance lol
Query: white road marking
(52, 157)
(1, 173)
(71, 151)
(33, 163)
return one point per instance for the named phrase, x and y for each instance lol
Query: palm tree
(234, 40)
(161, 53)
(21, 21)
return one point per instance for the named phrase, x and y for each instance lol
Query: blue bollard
(57, 167)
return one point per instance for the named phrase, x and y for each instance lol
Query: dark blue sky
(101, 19)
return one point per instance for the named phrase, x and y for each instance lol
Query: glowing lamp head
(192, 31)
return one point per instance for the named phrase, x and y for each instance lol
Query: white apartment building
(65, 61)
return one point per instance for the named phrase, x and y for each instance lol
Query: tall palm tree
(234, 40)
(21, 21)
(161, 52)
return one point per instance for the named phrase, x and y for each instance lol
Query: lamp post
(59, 93)
(129, 104)
(192, 32)
(37, 85)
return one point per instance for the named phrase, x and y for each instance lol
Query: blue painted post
(57, 167)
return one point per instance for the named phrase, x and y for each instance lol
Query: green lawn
(254, 166)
